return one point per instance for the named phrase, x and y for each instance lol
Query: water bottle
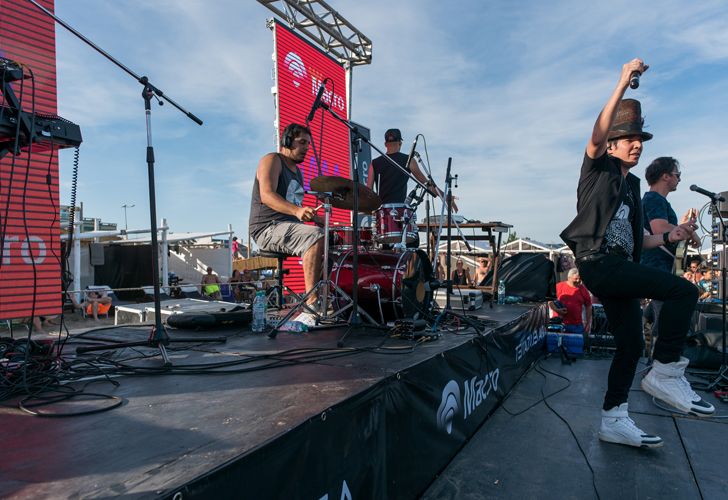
(260, 306)
(502, 291)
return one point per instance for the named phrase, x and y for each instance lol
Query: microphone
(412, 151)
(411, 196)
(316, 102)
(634, 80)
(712, 196)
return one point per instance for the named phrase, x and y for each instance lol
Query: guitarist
(663, 177)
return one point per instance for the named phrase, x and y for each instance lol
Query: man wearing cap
(607, 239)
(391, 181)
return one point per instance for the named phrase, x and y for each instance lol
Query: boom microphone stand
(721, 378)
(158, 337)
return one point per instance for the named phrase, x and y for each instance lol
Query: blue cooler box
(573, 342)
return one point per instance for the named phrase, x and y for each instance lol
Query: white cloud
(509, 90)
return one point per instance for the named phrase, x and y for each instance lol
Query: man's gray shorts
(293, 238)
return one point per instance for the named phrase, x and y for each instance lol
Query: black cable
(544, 398)
(687, 457)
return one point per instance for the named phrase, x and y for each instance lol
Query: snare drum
(390, 222)
(391, 285)
(341, 238)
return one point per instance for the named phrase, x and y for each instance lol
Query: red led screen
(30, 274)
(300, 69)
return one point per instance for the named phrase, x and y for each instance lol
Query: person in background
(575, 302)
(484, 267)
(694, 268)
(706, 285)
(235, 248)
(461, 275)
(211, 285)
(97, 302)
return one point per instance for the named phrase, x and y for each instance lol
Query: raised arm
(597, 144)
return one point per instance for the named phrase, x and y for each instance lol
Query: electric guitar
(681, 258)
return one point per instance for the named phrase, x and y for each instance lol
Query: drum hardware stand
(325, 284)
(448, 198)
(721, 377)
(356, 140)
(158, 336)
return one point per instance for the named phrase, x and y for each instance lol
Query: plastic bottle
(260, 307)
(502, 291)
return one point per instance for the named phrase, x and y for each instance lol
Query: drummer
(277, 214)
(391, 181)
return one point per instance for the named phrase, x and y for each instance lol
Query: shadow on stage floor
(531, 453)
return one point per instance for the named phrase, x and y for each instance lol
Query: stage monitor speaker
(723, 205)
(365, 159)
(96, 254)
(710, 321)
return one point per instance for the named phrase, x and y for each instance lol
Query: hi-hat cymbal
(343, 191)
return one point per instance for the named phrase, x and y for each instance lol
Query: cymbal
(343, 191)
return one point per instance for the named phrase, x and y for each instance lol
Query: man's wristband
(666, 238)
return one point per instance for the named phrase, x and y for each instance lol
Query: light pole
(125, 206)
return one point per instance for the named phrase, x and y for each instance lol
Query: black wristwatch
(666, 238)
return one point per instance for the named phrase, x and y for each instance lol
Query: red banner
(300, 70)
(30, 270)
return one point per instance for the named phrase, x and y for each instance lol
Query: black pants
(620, 284)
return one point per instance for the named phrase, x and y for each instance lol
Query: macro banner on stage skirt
(30, 267)
(391, 440)
(300, 70)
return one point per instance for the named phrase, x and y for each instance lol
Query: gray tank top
(290, 187)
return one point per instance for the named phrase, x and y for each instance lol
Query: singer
(607, 238)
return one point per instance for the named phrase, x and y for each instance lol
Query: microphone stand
(448, 198)
(158, 336)
(355, 320)
(721, 377)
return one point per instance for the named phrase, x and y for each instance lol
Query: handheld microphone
(634, 80)
(709, 194)
(316, 102)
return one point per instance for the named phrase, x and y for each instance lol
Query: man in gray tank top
(277, 214)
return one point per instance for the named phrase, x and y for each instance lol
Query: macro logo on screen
(295, 65)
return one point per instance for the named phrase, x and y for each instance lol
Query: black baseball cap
(393, 135)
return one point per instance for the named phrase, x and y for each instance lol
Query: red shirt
(573, 298)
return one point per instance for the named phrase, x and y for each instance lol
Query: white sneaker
(618, 428)
(667, 382)
(306, 318)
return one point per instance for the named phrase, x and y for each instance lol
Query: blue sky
(509, 90)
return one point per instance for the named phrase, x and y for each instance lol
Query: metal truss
(326, 27)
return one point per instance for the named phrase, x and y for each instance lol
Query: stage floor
(534, 454)
(172, 428)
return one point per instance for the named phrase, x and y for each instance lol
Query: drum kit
(393, 281)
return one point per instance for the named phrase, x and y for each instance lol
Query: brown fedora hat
(629, 121)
